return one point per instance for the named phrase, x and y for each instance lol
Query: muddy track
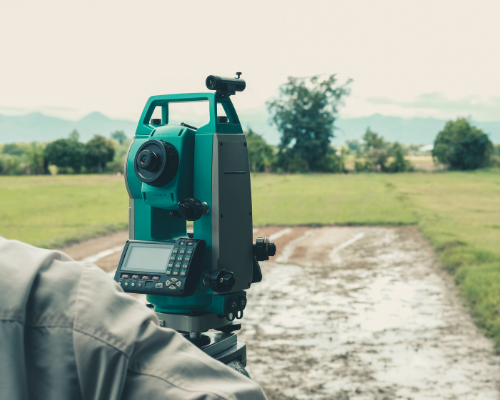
(354, 313)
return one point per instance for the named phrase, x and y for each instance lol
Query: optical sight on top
(225, 86)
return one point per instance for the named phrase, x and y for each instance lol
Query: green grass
(459, 212)
(327, 199)
(51, 211)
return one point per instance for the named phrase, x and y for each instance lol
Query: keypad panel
(181, 274)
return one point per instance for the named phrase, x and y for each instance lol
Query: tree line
(304, 112)
(99, 154)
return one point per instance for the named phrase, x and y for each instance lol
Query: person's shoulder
(41, 284)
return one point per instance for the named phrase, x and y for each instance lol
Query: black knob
(219, 280)
(263, 249)
(271, 249)
(192, 209)
(156, 162)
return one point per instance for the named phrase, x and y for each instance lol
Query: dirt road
(354, 313)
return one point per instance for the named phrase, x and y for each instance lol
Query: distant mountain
(403, 130)
(36, 127)
(39, 127)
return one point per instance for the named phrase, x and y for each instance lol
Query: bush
(462, 146)
(10, 165)
(260, 154)
(400, 164)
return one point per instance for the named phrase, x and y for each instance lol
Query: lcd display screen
(147, 257)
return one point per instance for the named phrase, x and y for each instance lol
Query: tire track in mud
(364, 313)
(354, 313)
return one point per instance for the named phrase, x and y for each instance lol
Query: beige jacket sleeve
(68, 331)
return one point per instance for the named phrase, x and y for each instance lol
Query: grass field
(51, 211)
(458, 212)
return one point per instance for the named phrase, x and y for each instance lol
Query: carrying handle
(233, 125)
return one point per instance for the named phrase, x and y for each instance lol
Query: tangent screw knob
(192, 209)
(219, 280)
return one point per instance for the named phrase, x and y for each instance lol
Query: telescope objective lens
(147, 159)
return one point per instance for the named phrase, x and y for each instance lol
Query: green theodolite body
(224, 185)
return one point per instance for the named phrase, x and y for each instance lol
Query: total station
(195, 281)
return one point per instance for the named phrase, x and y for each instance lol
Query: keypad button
(145, 277)
(132, 284)
(168, 283)
(135, 276)
(176, 272)
(172, 287)
(125, 276)
(185, 265)
(159, 285)
(170, 265)
(189, 251)
(179, 258)
(156, 278)
(126, 283)
(139, 284)
(187, 258)
(183, 273)
(172, 258)
(179, 284)
(189, 243)
(182, 243)
(175, 251)
(174, 280)
(182, 251)
(169, 272)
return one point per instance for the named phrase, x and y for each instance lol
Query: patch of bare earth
(364, 313)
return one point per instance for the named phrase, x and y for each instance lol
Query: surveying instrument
(196, 282)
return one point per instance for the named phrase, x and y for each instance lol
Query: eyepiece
(225, 86)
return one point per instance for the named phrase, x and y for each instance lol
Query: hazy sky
(429, 58)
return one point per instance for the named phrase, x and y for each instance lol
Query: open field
(458, 212)
(51, 211)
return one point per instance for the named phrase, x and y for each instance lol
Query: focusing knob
(219, 280)
(263, 249)
(156, 162)
(192, 209)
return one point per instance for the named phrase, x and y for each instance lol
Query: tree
(119, 136)
(98, 151)
(16, 148)
(64, 153)
(260, 154)
(35, 159)
(304, 113)
(399, 164)
(462, 146)
(353, 145)
(74, 135)
(375, 151)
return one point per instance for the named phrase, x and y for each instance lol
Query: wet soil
(364, 313)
